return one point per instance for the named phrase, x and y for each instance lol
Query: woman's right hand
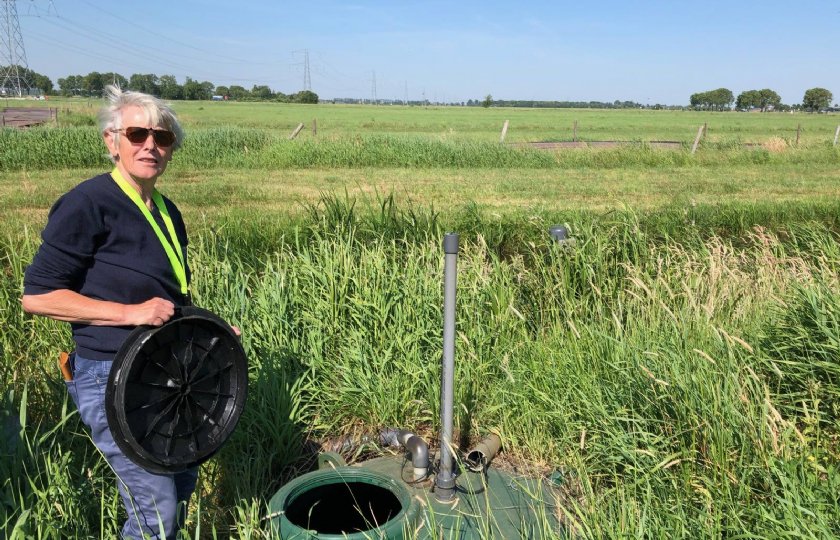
(152, 312)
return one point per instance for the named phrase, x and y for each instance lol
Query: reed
(679, 374)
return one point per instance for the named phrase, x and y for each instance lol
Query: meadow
(678, 367)
(479, 124)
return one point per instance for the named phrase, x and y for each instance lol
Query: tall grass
(68, 147)
(681, 380)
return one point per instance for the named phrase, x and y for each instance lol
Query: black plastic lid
(176, 392)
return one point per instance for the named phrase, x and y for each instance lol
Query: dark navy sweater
(99, 244)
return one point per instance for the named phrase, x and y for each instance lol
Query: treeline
(713, 100)
(815, 99)
(163, 86)
(168, 87)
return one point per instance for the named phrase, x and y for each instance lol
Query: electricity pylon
(13, 64)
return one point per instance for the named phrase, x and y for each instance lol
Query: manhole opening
(343, 508)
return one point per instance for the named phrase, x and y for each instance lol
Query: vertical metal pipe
(445, 479)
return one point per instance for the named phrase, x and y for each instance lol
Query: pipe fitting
(414, 445)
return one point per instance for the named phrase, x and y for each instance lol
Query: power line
(169, 38)
(12, 76)
(78, 50)
(343, 82)
(114, 42)
(120, 41)
(32, 10)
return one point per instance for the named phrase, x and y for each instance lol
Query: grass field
(482, 125)
(679, 366)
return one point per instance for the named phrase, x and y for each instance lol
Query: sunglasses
(138, 135)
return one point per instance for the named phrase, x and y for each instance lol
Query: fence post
(798, 130)
(836, 134)
(504, 131)
(697, 138)
(314, 126)
(705, 126)
(574, 132)
(296, 131)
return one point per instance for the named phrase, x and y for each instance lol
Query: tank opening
(343, 508)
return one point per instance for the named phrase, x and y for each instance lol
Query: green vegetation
(817, 99)
(50, 147)
(716, 100)
(678, 366)
(758, 99)
(681, 380)
(484, 125)
(260, 149)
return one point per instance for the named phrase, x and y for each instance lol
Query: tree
(42, 83)
(169, 87)
(695, 100)
(759, 99)
(71, 85)
(207, 89)
(261, 92)
(488, 100)
(817, 99)
(768, 98)
(222, 91)
(114, 78)
(198, 90)
(748, 99)
(238, 92)
(93, 84)
(147, 83)
(719, 100)
(305, 96)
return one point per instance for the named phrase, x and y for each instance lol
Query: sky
(648, 52)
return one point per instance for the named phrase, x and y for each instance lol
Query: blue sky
(649, 52)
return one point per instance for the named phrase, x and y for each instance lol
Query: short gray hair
(157, 112)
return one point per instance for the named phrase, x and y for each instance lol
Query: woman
(114, 257)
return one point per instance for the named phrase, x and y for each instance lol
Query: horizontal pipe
(479, 458)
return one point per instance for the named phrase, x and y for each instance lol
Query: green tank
(379, 499)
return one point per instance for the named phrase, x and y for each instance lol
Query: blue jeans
(153, 501)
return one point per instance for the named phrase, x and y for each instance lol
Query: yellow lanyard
(177, 261)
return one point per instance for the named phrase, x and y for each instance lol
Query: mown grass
(484, 125)
(679, 371)
(263, 198)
